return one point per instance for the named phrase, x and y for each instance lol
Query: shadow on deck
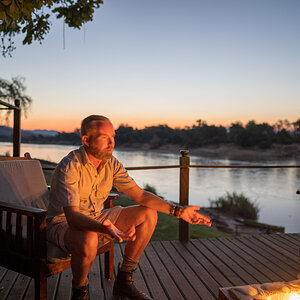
(171, 270)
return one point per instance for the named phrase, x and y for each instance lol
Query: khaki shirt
(76, 182)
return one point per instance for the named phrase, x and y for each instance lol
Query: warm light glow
(284, 296)
(294, 296)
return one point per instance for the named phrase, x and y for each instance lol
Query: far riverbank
(228, 151)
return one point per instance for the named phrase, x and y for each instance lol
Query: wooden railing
(184, 166)
(17, 125)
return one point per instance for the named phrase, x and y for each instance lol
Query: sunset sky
(166, 62)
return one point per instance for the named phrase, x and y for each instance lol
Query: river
(274, 190)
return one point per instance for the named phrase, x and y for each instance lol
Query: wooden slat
(187, 273)
(246, 261)
(219, 264)
(285, 243)
(195, 270)
(280, 265)
(29, 236)
(65, 285)
(228, 261)
(7, 283)
(30, 291)
(95, 285)
(277, 249)
(19, 230)
(20, 287)
(262, 262)
(8, 230)
(206, 280)
(52, 286)
(162, 273)
(291, 240)
(208, 266)
(151, 279)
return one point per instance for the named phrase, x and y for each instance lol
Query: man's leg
(144, 219)
(83, 247)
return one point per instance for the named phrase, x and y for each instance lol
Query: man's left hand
(191, 215)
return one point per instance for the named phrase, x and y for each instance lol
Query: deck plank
(188, 272)
(278, 264)
(176, 271)
(228, 261)
(246, 261)
(256, 258)
(205, 278)
(218, 263)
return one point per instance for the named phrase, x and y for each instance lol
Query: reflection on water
(273, 189)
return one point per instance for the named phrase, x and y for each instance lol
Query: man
(76, 219)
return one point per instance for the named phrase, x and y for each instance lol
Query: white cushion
(22, 182)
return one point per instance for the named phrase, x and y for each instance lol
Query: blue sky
(156, 62)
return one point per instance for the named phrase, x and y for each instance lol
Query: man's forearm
(152, 201)
(79, 221)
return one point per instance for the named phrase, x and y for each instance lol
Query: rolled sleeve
(121, 179)
(67, 185)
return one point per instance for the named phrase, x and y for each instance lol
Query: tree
(10, 91)
(32, 19)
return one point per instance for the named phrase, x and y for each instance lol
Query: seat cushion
(22, 182)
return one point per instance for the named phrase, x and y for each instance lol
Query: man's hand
(191, 215)
(115, 233)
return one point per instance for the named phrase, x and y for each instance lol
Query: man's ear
(85, 140)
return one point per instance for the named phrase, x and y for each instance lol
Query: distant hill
(6, 131)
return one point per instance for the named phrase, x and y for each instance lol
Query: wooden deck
(171, 270)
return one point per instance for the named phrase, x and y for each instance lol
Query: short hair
(87, 126)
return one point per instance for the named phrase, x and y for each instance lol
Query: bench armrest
(109, 202)
(23, 230)
(19, 209)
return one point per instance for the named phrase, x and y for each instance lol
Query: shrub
(237, 205)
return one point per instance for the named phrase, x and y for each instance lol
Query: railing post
(184, 193)
(17, 129)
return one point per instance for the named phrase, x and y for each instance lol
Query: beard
(101, 154)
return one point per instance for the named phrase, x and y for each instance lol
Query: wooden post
(184, 193)
(17, 129)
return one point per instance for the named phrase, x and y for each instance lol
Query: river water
(274, 190)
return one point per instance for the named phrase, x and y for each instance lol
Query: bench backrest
(22, 182)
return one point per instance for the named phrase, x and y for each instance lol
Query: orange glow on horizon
(70, 124)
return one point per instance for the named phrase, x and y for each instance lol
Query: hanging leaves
(28, 17)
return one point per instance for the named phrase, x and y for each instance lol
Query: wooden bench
(23, 202)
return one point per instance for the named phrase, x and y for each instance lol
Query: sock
(75, 286)
(128, 264)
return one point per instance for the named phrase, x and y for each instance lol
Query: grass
(237, 205)
(167, 227)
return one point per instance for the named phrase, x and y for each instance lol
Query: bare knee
(82, 243)
(149, 215)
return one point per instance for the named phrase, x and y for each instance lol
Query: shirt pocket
(84, 204)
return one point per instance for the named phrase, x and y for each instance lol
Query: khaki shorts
(57, 226)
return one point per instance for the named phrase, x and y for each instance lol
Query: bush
(237, 205)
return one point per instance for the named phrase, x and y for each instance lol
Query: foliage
(237, 205)
(14, 90)
(31, 18)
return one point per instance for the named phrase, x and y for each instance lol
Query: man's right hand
(115, 233)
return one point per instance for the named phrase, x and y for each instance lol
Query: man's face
(102, 142)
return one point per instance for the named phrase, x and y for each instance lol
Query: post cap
(184, 152)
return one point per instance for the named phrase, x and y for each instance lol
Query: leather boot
(124, 287)
(81, 293)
